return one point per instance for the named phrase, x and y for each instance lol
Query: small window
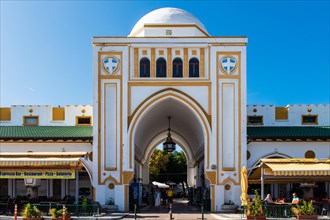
(84, 120)
(58, 114)
(193, 67)
(5, 114)
(281, 113)
(255, 120)
(161, 67)
(31, 120)
(144, 67)
(309, 119)
(177, 67)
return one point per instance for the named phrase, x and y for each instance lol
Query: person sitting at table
(295, 199)
(268, 199)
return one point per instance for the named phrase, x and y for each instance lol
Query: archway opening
(187, 131)
(170, 169)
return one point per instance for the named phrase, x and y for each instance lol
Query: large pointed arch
(180, 97)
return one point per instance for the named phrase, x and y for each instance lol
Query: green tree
(158, 163)
(168, 167)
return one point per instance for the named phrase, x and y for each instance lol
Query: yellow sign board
(37, 174)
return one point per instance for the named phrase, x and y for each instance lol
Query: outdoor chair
(10, 206)
(97, 209)
(325, 207)
(241, 210)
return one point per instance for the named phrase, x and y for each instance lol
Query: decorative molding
(211, 176)
(169, 63)
(127, 176)
(202, 63)
(153, 64)
(136, 62)
(185, 63)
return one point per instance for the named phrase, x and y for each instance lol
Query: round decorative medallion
(111, 64)
(248, 154)
(111, 186)
(90, 156)
(30, 110)
(310, 154)
(255, 110)
(83, 110)
(228, 64)
(227, 187)
(309, 109)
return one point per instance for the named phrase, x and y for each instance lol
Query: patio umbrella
(160, 185)
(244, 186)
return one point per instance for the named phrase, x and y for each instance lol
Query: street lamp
(169, 145)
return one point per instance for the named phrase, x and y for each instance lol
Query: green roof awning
(46, 133)
(289, 132)
(86, 132)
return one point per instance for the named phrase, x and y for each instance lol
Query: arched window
(193, 67)
(161, 67)
(177, 67)
(144, 67)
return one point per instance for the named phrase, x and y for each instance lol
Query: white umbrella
(160, 185)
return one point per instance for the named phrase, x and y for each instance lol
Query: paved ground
(180, 211)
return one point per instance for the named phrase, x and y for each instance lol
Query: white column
(190, 175)
(275, 193)
(51, 188)
(10, 187)
(14, 188)
(145, 173)
(63, 189)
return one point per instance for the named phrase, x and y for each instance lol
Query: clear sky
(46, 50)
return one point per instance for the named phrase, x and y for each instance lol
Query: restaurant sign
(37, 174)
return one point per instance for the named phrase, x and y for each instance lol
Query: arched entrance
(189, 129)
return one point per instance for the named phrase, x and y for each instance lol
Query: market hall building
(168, 65)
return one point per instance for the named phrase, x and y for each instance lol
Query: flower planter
(307, 217)
(263, 217)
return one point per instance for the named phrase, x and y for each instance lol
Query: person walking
(157, 198)
(170, 194)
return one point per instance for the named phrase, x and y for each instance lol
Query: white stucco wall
(45, 114)
(295, 113)
(296, 149)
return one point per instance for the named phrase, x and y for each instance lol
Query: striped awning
(299, 169)
(37, 162)
(290, 170)
(40, 159)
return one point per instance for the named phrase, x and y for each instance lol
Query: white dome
(167, 16)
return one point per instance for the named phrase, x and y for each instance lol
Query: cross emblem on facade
(110, 64)
(228, 64)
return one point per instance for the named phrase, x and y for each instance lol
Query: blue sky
(46, 50)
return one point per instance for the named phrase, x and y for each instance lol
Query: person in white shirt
(268, 199)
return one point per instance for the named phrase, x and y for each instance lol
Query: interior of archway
(186, 131)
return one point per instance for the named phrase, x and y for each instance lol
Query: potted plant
(58, 214)
(31, 212)
(255, 210)
(228, 206)
(305, 211)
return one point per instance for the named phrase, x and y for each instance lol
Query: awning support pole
(77, 188)
(262, 181)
